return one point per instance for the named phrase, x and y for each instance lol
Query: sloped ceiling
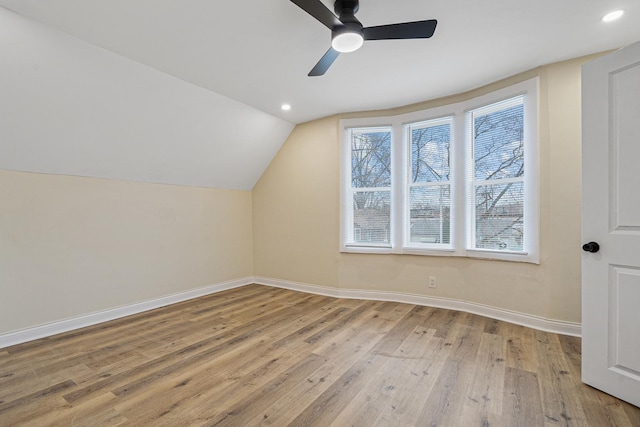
(259, 52)
(69, 107)
(189, 91)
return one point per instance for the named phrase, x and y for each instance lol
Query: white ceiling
(259, 52)
(69, 107)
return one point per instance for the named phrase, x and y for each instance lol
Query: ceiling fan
(348, 34)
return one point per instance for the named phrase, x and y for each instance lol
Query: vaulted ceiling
(251, 56)
(259, 52)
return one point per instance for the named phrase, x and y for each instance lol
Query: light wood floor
(264, 356)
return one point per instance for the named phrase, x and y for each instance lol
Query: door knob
(592, 247)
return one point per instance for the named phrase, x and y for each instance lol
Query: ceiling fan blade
(319, 11)
(325, 62)
(406, 30)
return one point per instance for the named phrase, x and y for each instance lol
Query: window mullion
(461, 159)
(398, 179)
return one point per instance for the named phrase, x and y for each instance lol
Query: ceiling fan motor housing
(346, 9)
(349, 27)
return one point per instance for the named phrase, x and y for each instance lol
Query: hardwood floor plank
(633, 413)
(522, 398)
(559, 401)
(404, 407)
(449, 394)
(261, 356)
(520, 345)
(486, 390)
(614, 410)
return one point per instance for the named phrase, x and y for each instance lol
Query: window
(428, 189)
(457, 180)
(370, 189)
(497, 142)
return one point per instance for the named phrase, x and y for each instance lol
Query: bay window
(456, 180)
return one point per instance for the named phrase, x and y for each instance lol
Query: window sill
(366, 249)
(469, 253)
(504, 256)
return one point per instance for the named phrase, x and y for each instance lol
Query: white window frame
(349, 190)
(460, 181)
(408, 185)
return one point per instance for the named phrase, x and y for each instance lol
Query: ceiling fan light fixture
(347, 41)
(612, 16)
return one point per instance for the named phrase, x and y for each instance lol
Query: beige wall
(71, 245)
(296, 217)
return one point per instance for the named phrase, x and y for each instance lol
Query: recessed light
(285, 107)
(612, 16)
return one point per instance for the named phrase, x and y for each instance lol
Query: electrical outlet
(432, 282)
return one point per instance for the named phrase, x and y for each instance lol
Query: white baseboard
(46, 330)
(49, 329)
(523, 319)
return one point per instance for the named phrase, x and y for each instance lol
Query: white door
(611, 218)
